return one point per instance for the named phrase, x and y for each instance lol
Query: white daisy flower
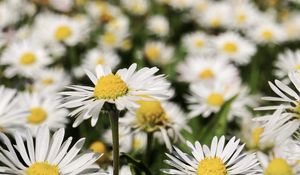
(288, 61)
(158, 25)
(236, 48)
(43, 110)
(206, 70)
(217, 15)
(291, 26)
(206, 100)
(119, 24)
(124, 170)
(277, 164)
(11, 117)
(98, 56)
(136, 7)
(50, 80)
(155, 116)
(197, 43)
(287, 97)
(46, 155)
(24, 58)
(221, 158)
(275, 129)
(158, 52)
(112, 40)
(123, 89)
(102, 10)
(63, 6)
(181, 4)
(9, 14)
(267, 32)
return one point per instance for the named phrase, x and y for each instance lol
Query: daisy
(136, 7)
(100, 148)
(236, 48)
(102, 11)
(291, 26)
(50, 80)
(267, 32)
(288, 61)
(158, 25)
(123, 89)
(153, 116)
(221, 159)
(158, 52)
(205, 100)
(64, 6)
(197, 43)
(206, 70)
(98, 56)
(112, 40)
(119, 24)
(288, 98)
(46, 155)
(124, 170)
(11, 117)
(278, 163)
(24, 58)
(181, 4)
(43, 110)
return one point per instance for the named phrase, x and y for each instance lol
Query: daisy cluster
(175, 86)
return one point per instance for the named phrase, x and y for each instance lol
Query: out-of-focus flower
(197, 43)
(288, 61)
(158, 25)
(158, 52)
(136, 7)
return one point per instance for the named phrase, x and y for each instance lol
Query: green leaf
(140, 166)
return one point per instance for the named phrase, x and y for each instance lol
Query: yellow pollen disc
(241, 18)
(110, 38)
(278, 166)
(110, 87)
(100, 60)
(211, 166)
(267, 35)
(297, 67)
(37, 115)
(47, 81)
(230, 47)
(63, 32)
(42, 168)
(136, 143)
(98, 147)
(256, 133)
(150, 115)
(28, 58)
(215, 99)
(215, 22)
(206, 74)
(126, 44)
(199, 43)
(152, 52)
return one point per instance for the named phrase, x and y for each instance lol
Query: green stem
(148, 147)
(114, 122)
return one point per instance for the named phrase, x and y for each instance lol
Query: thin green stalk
(149, 147)
(114, 122)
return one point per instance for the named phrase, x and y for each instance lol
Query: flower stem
(149, 147)
(114, 122)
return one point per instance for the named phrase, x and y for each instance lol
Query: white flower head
(122, 89)
(157, 52)
(158, 25)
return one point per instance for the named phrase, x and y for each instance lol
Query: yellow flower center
(215, 22)
(37, 115)
(256, 133)
(241, 18)
(150, 115)
(63, 32)
(215, 99)
(278, 166)
(28, 58)
(42, 168)
(100, 60)
(206, 74)
(230, 47)
(126, 44)
(109, 38)
(211, 166)
(110, 87)
(98, 147)
(267, 35)
(137, 143)
(152, 52)
(47, 81)
(199, 43)
(297, 67)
